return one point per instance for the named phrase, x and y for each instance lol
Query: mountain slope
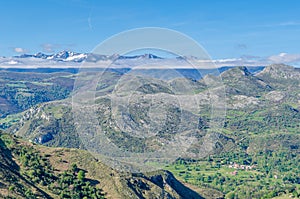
(239, 80)
(254, 104)
(21, 90)
(21, 177)
(262, 119)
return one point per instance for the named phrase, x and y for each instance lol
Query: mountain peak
(280, 71)
(236, 72)
(278, 67)
(150, 56)
(40, 55)
(144, 56)
(65, 54)
(244, 70)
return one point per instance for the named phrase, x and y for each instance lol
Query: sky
(227, 30)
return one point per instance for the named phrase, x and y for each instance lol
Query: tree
(74, 167)
(81, 175)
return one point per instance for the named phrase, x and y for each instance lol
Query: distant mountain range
(69, 59)
(69, 56)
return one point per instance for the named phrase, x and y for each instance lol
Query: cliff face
(160, 184)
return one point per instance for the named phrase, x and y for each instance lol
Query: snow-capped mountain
(61, 56)
(145, 56)
(68, 56)
(66, 59)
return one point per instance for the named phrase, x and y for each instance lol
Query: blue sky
(226, 29)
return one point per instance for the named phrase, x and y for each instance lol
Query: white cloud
(227, 60)
(12, 62)
(285, 58)
(242, 61)
(19, 50)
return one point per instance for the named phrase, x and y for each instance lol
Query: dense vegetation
(36, 169)
(20, 91)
